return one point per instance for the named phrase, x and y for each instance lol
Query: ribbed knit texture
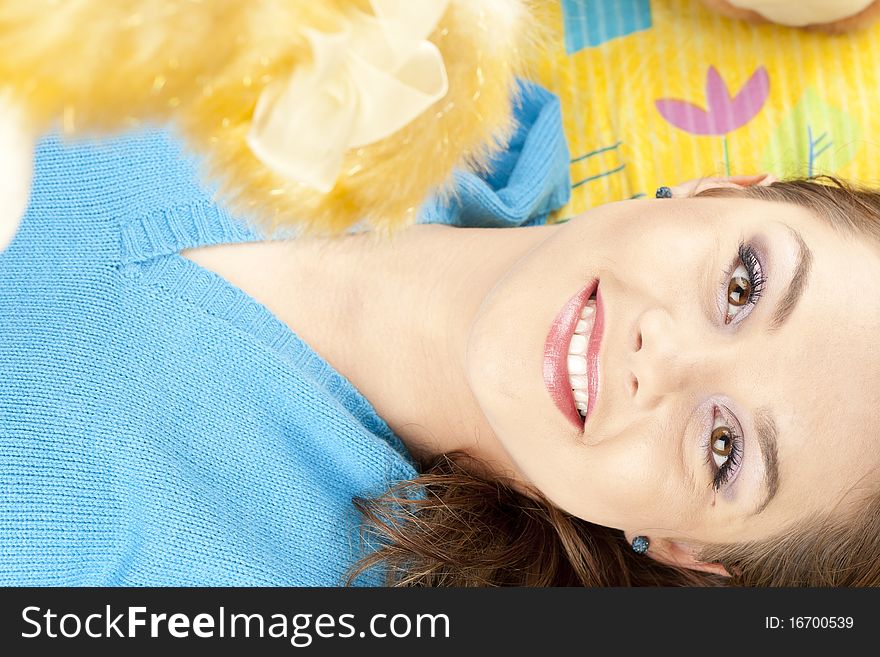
(158, 426)
(527, 180)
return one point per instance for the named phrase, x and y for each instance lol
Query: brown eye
(722, 441)
(738, 291)
(724, 447)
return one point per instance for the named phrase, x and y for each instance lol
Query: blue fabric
(525, 182)
(589, 23)
(158, 426)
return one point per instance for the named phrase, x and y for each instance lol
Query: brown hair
(451, 526)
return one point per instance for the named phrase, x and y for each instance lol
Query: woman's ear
(696, 185)
(756, 179)
(681, 554)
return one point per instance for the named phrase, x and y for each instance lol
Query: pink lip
(593, 355)
(556, 354)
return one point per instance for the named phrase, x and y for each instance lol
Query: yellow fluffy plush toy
(322, 114)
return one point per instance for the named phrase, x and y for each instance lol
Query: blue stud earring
(640, 544)
(663, 192)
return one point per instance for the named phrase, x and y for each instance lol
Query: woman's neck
(392, 314)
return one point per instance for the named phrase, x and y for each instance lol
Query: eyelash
(722, 475)
(757, 280)
(750, 261)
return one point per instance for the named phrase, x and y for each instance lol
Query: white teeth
(577, 360)
(578, 382)
(584, 325)
(578, 346)
(580, 340)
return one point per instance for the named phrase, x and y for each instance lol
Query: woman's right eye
(745, 283)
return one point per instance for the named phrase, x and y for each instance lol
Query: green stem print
(726, 155)
(815, 137)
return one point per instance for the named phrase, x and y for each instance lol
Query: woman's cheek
(624, 482)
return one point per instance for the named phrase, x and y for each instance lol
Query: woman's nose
(664, 359)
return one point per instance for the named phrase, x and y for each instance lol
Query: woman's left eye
(745, 283)
(724, 452)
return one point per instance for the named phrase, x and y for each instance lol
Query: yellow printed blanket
(655, 92)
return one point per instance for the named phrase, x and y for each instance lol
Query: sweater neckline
(150, 249)
(190, 282)
(177, 212)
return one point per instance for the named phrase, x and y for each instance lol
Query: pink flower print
(723, 114)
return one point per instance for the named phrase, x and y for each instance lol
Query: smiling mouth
(577, 357)
(570, 354)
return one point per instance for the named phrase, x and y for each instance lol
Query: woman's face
(776, 377)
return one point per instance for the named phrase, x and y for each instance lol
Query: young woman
(731, 372)
(668, 391)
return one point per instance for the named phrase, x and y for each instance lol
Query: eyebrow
(796, 286)
(765, 426)
(766, 430)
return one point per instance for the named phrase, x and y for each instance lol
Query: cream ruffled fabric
(364, 83)
(16, 164)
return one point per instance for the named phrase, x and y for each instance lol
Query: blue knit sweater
(158, 426)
